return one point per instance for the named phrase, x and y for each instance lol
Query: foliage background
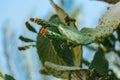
(13, 15)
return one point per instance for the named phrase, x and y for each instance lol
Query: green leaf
(110, 1)
(26, 39)
(45, 49)
(99, 62)
(8, 77)
(25, 47)
(29, 27)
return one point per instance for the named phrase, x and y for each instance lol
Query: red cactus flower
(36, 20)
(43, 31)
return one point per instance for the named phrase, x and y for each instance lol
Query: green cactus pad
(108, 24)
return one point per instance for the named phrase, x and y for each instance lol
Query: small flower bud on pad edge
(36, 20)
(43, 31)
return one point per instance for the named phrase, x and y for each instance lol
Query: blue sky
(18, 11)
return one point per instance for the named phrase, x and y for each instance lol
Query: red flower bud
(36, 20)
(43, 31)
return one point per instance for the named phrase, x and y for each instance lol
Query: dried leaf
(71, 72)
(77, 51)
(60, 12)
(64, 18)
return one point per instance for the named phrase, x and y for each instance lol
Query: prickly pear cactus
(58, 40)
(54, 50)
(108, 24)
